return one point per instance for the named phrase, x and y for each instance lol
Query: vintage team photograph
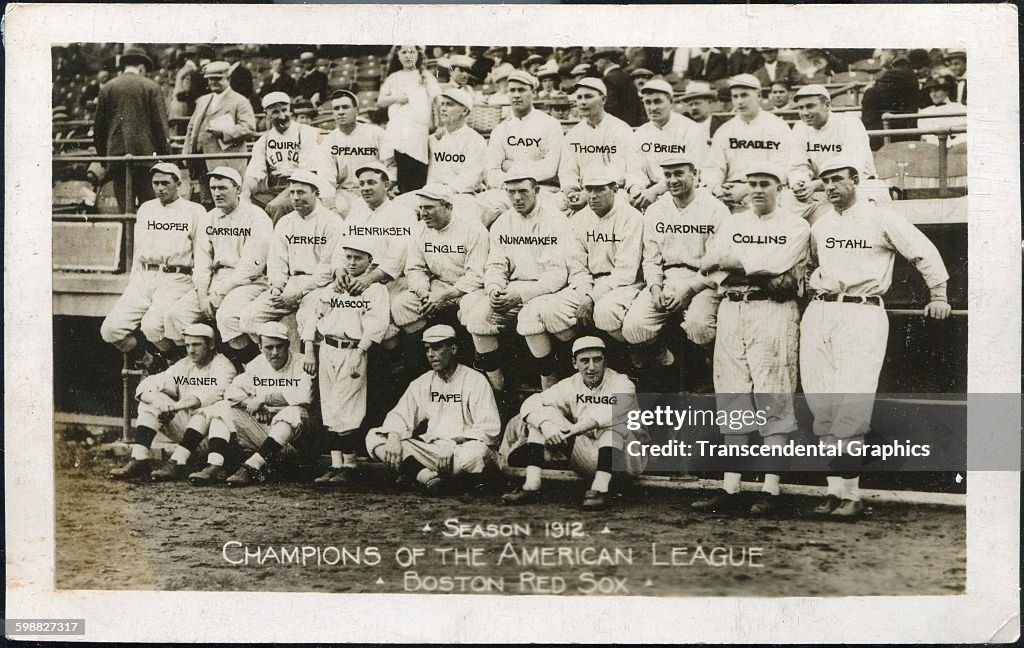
(371, 319)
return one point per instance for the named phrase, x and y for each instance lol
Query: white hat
(767, 168)
(166, 167)
(305, 177)
(276, 330)
(275, 98)
(657, 85)
(697, 90)
(516, 177)
(548, 69)
(677, 160)
(459, 96)
(216, 68)
(598, 178)
(198, 330)
(438, 333)
(593, 84)
(461, 61)
(361, 243)
(813, 90)
(837, 163)
(226, 172)
(502, 72)
(745, 81)
(307, 56)
(374, 166)
(587, 342)
(523, 77)
(436, 192)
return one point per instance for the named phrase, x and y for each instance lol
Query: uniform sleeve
(252, 262)
(331, 170)
(477, 244)
(481, 411)
(498, 268)
(319, 161)
(417, 274)
(245, 122)
(257, 168)
(471, 174)
(277, 258)
(320, 308)
(224, 372)
(801, 167)
(495, 156)
(301, 394)
(627, 256)
(376, 317)
(239, 389)
(653, 261)
(202, 266)
(604, 415)
(551, 403)
(554, 273)
(580, 278)
(622, 139)
(406, 414)
(915, 248)
(636, 164)
(717, 165)
(546, 168)
(569, 168)
(775, 259)
(324, 274)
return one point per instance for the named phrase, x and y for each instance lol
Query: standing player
(575, 419)
(159, 301)
(231, 261)
(461, 417)
(845, 327)
(667, 134)
(171, 402)
(458, 154)
(284, 148)
(757, 258)
(526, 260)
(599, 145)
(820, 136)
(677, 230)
(351, 145)
(264, 410)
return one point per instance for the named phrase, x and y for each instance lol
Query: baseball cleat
(827, 505)
(134, 469)
(595, 500)
(435, 486)
(404, 482)
(766, 504)
(332, 477)
(521, 496)
(246, 475)
(170, 471)
(848, 510)
(212, 474)
(345, 475)
(721, 500)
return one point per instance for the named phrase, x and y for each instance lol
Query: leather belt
(749, 296)
(682, 265)
(600, 274)
(873, 300)
(340, 343)
(163, 267)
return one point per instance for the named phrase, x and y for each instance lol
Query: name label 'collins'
(759, 239)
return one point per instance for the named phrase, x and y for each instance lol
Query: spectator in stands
(460, 73)
(745, 60)
(278, 80)
(709, 65)
(499, 78)
(581, 71)
(939, 91)
(532, 62)
(408, 93)
(222, 122)
(640, 77)
(550, 81)
(778, 96)
(896, 92)
(313, 83)
(131, 117)
(623, 101)
(92, 91)
(303, 111)
(697, 98)
(774, 69)
(239, 75)
(956, 60)
(568, 58)
(189, 84)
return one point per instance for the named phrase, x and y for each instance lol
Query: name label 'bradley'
(177, 227)
(677, 228)
(759, 239)
(228, 231)
(194, 382)
(847, 244)
(767, 145)
(274, 382)
(601, 237)
(306, 240)
(441, 397)
(596, 400)
(444, 248)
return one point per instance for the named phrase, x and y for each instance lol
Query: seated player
(171, 402)
(264, 410)
(576, 419)
(462, 425)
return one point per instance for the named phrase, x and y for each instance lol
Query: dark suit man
(623, 100)
(710, 65)
(313, 83)
(131, 117)
(278, 80)
(745, 60)
(239, 76)
(773, 69)
(222, 122)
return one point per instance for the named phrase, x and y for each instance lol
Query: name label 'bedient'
(275, 382)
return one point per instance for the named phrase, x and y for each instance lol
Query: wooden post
(943, 165)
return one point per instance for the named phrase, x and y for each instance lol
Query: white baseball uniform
(297, 147)
(738, 144)
(346, 152)
(652, 144)
(599, 150)
(180, 380)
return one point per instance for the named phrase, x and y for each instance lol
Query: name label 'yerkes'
(759, 239)
(306, 240)
(441, 397)
(847, 244)
(767, 145)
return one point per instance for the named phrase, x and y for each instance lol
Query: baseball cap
(374, 166)
(438, 333)
(461, 61)
(523, 77)
(305, 177)
(516, 177)
(767, 168)
(955, 53)
(597, 179)
(216, 68)
(275, 330)
(436, 192)
(459, 96)
(549, 69)
(677, 160)
(166, 167)
(275, 98)
(502, 72)
(226, 172)
(657, 85)
(593, 84)
(837, 163)
(533, 58)
(582, 68)
(641, 72)
(587, 342)
(198, 330)
(307, 56)
(745, 81)
(360, 243)
(812, 90)
(338, 94)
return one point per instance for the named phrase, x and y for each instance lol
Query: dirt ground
(112, 535)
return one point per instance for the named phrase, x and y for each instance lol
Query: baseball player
(677, 230)
(351, 145)
(461, 418)
(598, 145)
(575, 419)
(820, 136)
(458, 154)
(171, 402)
(845, 327)
(528, 142)
(284, 148)
(159, 301)
(302, 240)
(445, 261)
(526, 260)
(264, 410)
(666, 134)
(345, 326)
(757, 258)
(751, 137)
(231, 260)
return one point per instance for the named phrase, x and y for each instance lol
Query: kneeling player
(461, 416)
